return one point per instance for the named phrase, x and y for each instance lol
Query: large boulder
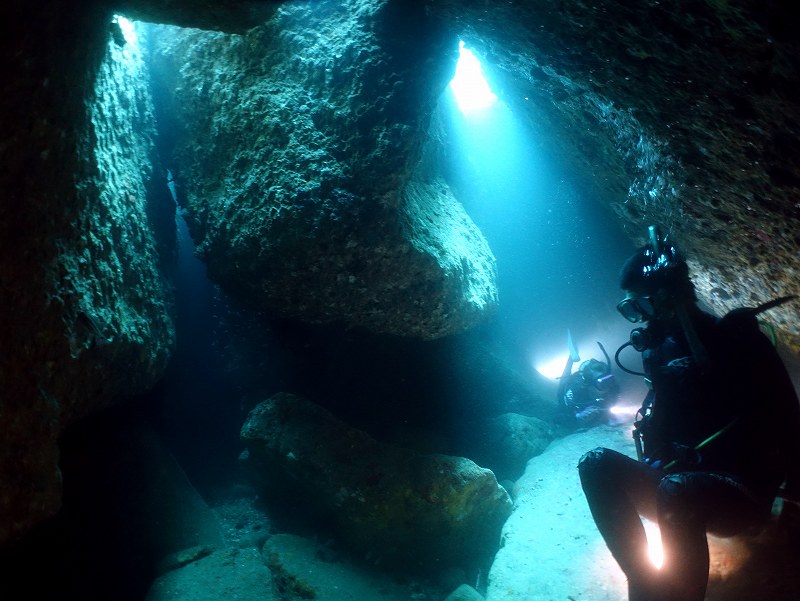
(300, 156)
(409, 510)
(85, 245)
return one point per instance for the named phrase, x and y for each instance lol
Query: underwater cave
(289, 286)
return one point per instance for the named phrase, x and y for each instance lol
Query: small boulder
(507, 442)
(304, 569)
(464, 593)
(228, 574)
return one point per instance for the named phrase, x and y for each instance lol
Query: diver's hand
(590, 414)
(677, 457)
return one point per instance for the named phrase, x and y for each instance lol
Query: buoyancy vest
(731, 397)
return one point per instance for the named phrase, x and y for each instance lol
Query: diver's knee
(677, 506)
(592, 460)
(671, 486)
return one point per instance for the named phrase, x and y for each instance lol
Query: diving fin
(573, 350)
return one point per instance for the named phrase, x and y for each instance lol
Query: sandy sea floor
(551, 550)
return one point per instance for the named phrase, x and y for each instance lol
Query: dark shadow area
(94, 549)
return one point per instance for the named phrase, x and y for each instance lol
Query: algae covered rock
(86, 246)
(422, 511)
(298, 149)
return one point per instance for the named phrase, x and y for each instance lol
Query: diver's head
(596, 373)
(655, 280)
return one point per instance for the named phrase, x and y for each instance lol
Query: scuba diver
(584, 397)
(717, 434)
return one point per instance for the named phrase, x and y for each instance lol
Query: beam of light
(624, 410)
(654, 549)
(470, 88)
(128, 29)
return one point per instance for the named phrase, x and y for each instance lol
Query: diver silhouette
(717, 434)
(585, 397)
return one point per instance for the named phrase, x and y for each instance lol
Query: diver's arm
(563, 382)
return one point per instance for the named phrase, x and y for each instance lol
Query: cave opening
(469, 86)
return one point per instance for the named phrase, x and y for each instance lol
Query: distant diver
(585, 397)
(718, 433)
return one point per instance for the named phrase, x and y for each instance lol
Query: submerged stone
(401, 508)
(298, 153)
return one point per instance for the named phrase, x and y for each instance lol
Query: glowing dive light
(655, 550)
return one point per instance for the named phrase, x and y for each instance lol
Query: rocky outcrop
(84, 246)
(681, 114)
(299, 155)
(232, 16)
(226, 574)
(288, 568)
(506, 443)
(422, 512)
(304, 569)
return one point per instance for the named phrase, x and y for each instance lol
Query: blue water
(558, 250)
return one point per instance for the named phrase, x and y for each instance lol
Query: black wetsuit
(739, 391)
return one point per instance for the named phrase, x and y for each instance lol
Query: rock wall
(298, 155)
(684, 114)
(85, 245)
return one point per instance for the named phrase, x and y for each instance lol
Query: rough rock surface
(423, 511)
(220, 15)
(288, 568)
(226, 574)
(683, 114)
(86, 304)
(299, 155)
(305, 569)
(464, 593)
(508, 441)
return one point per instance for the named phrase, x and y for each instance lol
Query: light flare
(552, 368)
(655, 550)
(128, 29)
(470, 88)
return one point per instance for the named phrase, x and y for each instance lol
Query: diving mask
(637, 309)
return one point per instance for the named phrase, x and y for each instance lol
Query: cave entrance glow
(470, 88)
(127, 28)
(553, 243)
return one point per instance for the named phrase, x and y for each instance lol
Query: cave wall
(86, 244)
(299, 156)
(682, 113)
